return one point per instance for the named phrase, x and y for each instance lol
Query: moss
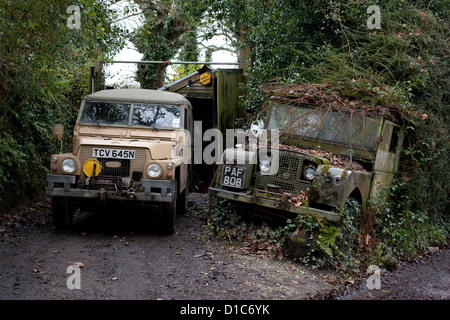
(266, 194)
(321, 161)
(326, 170)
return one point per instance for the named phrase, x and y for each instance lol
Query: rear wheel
(62, 213)
(167, 212)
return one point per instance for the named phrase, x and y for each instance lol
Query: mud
(120, 259)
(423, 278)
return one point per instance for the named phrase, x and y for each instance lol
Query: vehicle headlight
(69, 165)
(154, 170)
(264, 165)
(309, 173)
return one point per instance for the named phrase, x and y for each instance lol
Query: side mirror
(58, 131)
(256, 127)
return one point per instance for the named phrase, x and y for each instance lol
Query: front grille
(132, 168)
(115, 167)
(288, 176)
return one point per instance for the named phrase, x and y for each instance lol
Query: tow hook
(129, 193)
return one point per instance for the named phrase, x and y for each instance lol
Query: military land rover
(128, 146)
(323, 158)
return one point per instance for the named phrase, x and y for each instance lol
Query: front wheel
(167, 212)
(182, 205)
(62, 213)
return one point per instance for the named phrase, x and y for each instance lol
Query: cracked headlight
(69, 165)
(264, 165)
(154, 170)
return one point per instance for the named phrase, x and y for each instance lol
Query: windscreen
(156, 116)
(325, 125)
(127, 114)
(105, 113)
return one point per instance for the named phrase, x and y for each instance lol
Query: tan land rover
(323, 158)
(129, 145)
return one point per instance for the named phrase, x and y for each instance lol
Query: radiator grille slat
(288, 176)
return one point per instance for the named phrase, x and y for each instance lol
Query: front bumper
(62, 186)
(279, 201)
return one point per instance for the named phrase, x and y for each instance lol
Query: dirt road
(118, 259)
(422, 278)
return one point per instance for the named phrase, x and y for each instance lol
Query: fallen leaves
(433, 250)
(337, 98)
(300, 198)
(422, 116)
(336, 159)
(249, 244)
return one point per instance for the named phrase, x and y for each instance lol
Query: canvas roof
(138, 95)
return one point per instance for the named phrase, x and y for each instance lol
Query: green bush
(44, 72)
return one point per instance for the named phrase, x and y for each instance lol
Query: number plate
(233, 176)
(113, 153)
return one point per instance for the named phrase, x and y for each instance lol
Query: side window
(394, 139)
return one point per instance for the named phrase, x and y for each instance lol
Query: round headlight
(154, 170)
(69, 165)
(264, 165)
(309, 173)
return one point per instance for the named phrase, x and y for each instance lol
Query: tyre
(62, 213)
(168, 211)
(182, 202)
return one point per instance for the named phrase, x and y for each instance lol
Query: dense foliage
(44, 71)
(329, 42)
(169, 29)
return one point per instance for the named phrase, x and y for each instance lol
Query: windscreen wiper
(146, 124)
(93, 118)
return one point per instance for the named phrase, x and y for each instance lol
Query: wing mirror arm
(58, 133)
